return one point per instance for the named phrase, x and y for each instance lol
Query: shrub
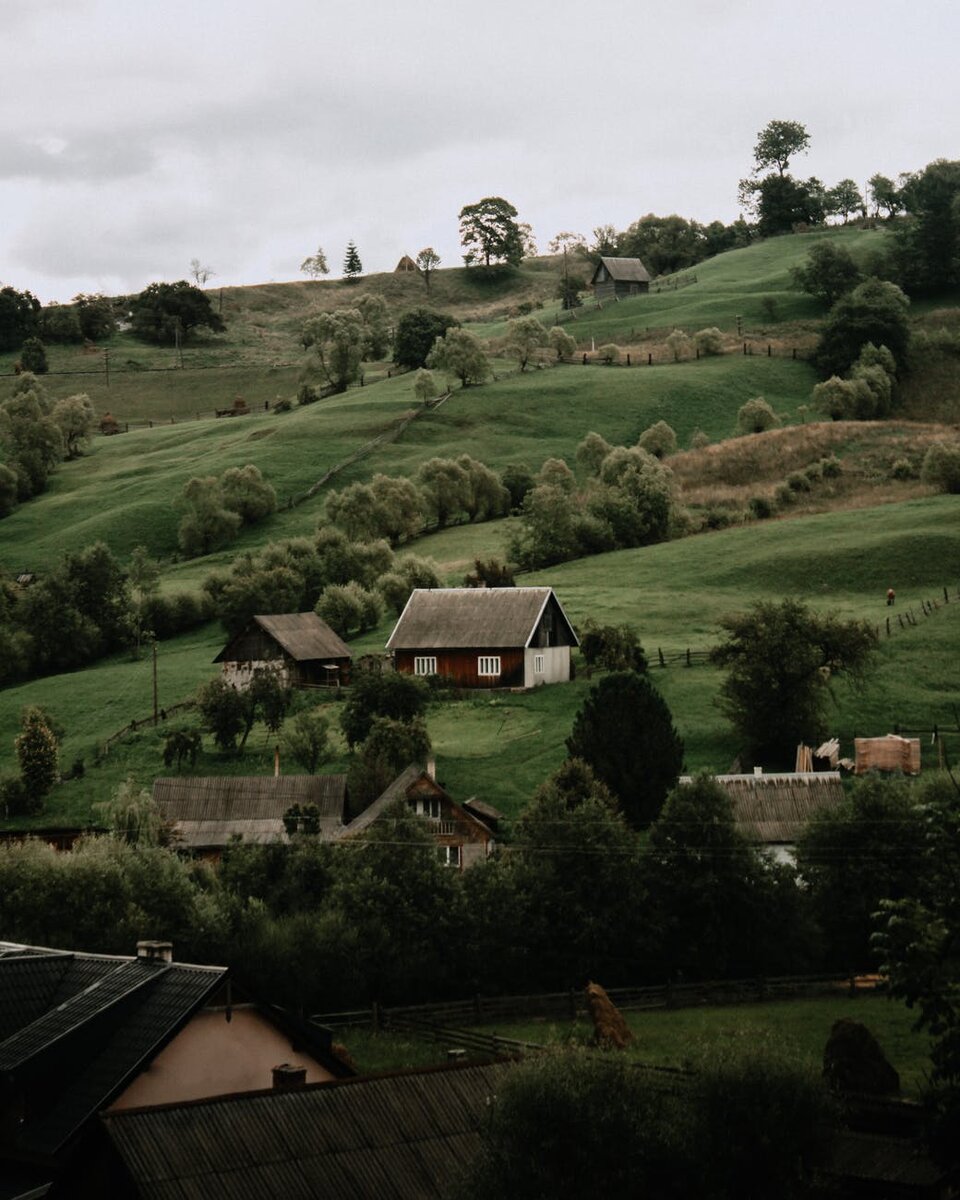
(761, 507)
(709, 341)
(756, 416)
(716, 517)
(283, 406)
(349, 608)
(798, 482)
(901, 469)
(941, 467)
(814, 472)
(784, 495)
(678, 343)
(698, 440)
(610, 353)
(659, 440)
(832, 467)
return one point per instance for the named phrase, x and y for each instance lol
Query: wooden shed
(405, 266)
(485, 637)
(615, 278)
(300, 647)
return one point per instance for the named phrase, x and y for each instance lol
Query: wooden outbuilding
(485, 637)
(615, 278)
(405, 266)
(461, 837)
(302, 649)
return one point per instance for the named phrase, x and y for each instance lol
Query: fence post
(650, 359)
(744, 349)
(660, 656)
(794, 353)
(946, 596)
(584, 360)
(888, 626)
(769, 350)
(688, 656)
(628, 360)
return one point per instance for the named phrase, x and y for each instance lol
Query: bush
(761, 507)
(659, 440)
(716, 517)
(784, 495)
(832, 467)
(798, 482)
(709, 341)
(756, 416)
(610, 353)
(941, 467)
(902, 469)
(698, 440)
(33, 356)
(814, 472)
(349, 608)
(678, 344)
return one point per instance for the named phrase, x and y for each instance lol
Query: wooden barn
(461, 837)
(206, 813)
(615, 278)
(772, 810)
(485, 637)
(303, 650)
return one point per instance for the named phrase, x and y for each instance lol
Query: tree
(19, 317)
(591, 452)
(396, 695)
(207, 523)
(143, 574)
(828, 273)
(624, 730)
(659, 440)
(415, 335)
(373, 309)
(38, 756)
(164, 312)
(199, 273)
(928, 241)
(424, 386)
(845, 198)
(875, 311)
(394, 745)
(352, 266)
(525, 335)
(349, 608)
(709, 341)
(781, 660)
(446, 486)
(885, 195)
(427, 261)
(756, 416)
(784, 202)
(96, 314)
(33, 356)
(777, 143)
(613, 647)
(490, 234)
(337, 340)
(247, 493)
(460, 353)
(941, 467)
(77, 420)
(561, 341)
(315, 264)
(574, 243)
(308, 740)
(665, 244)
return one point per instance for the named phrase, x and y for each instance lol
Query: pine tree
(352, 266)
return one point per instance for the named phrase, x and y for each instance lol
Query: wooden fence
(168, 711)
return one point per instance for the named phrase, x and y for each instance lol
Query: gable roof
(406, 1134)
(624, 270)
(464, 618)
(772, 809)
(303, 636)
(99, 1025)
(398, 790)
(209, 811)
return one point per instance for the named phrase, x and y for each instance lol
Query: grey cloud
(95, 158)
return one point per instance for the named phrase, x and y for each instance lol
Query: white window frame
(488, 665)
(449, 856)
(426, 665)
(538, 664)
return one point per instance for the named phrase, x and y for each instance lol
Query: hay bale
(609, 1028)
(854, 1062)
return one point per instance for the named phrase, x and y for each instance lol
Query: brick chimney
(432, 768)
(157, 951)
(287, 1078)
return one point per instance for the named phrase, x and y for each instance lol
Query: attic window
(488, 665)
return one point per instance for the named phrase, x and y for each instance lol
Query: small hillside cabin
(484, 637)
(461, 837)
(301, 648)
(615, 278)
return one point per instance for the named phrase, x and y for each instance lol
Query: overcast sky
(137, 136)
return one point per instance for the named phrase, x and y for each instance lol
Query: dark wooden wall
(461, 666)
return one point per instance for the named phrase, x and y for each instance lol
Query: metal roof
(406, 1135)
(625, 270)
(303, 636)
(773, 809)
(472, 618)
(210, 810)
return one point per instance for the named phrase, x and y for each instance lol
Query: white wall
(556, 665)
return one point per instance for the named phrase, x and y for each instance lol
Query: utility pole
(106, 365)
(156, 707)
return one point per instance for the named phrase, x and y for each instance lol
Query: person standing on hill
(891, 597)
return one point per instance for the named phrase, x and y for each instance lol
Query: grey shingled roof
(302, 635)
(390, 795)
(626, 270)
(210, 810)
(773, 809)
(406, 1135)
(467, 618)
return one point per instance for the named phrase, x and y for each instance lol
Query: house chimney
(757, 771)
(157, 951)
(287, 1078)
(432, 768)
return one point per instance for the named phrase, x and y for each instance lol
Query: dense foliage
(166, 312)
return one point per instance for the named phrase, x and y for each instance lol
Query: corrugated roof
(209, 810)
(774, 809)
(302, 635)
(466, 618)
(406, 1135)
(626, 270)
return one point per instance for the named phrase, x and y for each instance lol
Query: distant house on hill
(485, 637)
(462, 837)
(404, 265)
(615, 278)
(772, 810)
(206, 813)
(303, 649)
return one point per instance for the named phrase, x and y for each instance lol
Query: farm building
(462, 838)
(206, 813)
(485, 637)
(615, 278)
(303, 650)
(772, 810)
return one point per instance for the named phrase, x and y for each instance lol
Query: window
(449, 855)
(426, 807)
(425, 666)
(489, 665)
(538, 664)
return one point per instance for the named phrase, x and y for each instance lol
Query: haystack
(854, 1062)
(609, 1028)
(890, 753)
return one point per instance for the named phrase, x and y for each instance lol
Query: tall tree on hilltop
(352, 266)
(315, 265)
(489, 233)
(777, 143)
(428, 260)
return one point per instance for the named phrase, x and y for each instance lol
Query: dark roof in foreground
(626, 270)
(406, 1135)
(98, 1018)
(463, 618)
(774, 809)
(302, 635)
